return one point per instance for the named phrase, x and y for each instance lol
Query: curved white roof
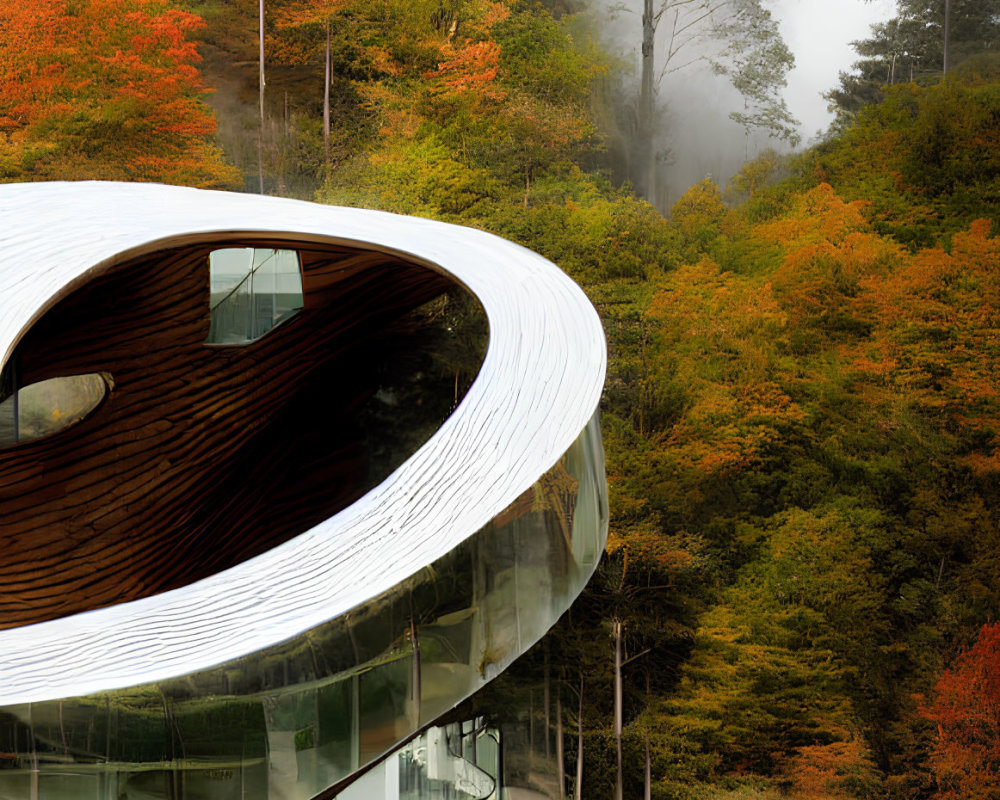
(539, 384)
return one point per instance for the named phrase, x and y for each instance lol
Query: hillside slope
(801, 414)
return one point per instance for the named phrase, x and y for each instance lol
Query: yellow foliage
(700, 204)
(818, 215)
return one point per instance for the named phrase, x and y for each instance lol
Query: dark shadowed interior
(193, 456)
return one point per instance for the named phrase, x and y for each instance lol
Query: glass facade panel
(337, 738)
(209, 731)
(293, 720)
(446, 663)
(386, 705)
(229, 280)
(460, 761)
(228, 269)
(252, 290)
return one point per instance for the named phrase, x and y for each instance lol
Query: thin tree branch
(637, 655)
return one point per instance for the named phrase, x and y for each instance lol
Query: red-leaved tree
(965, 706)
(104, 89)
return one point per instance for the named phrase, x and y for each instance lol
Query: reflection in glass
(337, 742)
(386, 704)
(252, 290)
(459, 761)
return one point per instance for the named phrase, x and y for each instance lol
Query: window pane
(263, 292)
(337, 740)
(228, 269)
(287, 284)
(252, 290)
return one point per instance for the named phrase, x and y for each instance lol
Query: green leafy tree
(910, 48)
(756, 61)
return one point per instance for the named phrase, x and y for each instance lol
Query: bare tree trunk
(326, 99)
(546, 698)
(560, 767)
(616, 629)
(260, 137)
(578, 789)
(947, 34)
(645, 177)
(647, 792)
(531, 723)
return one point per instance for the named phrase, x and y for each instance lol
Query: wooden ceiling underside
(202, 456)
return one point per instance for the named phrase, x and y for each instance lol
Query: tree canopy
(965, 708)
(104, 88)
(909, 48)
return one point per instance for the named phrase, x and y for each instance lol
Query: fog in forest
(694, 136)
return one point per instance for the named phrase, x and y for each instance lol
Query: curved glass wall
(295, 719)
(456, 761)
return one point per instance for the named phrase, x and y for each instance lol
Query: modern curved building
(281, 485)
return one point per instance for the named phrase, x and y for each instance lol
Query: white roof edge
(539, 384)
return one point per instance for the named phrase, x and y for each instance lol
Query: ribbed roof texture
(539, 384)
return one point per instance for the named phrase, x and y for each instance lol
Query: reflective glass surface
(459, 761)
(293, 720)
(252, 290)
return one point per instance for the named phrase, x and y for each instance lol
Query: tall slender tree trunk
(546, 701)
(647, 792)
(616, 629)
(260, 136)
(560, 766)
(531, 723)
(578, 788)
(947, 34)
(326, 98)
(645, 177)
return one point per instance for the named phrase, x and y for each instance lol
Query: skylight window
(253, 290)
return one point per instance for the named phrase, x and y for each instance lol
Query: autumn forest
(802, 411)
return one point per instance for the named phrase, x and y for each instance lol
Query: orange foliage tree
(474, 66)
(104, 89)
(965, 706)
